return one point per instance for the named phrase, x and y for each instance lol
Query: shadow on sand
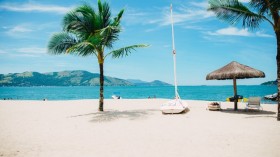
(112, 115)
(181, 113)
(251, 113)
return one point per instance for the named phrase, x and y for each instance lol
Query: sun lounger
(254, 102)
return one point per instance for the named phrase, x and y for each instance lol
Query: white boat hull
(116, 97)
(173, 107)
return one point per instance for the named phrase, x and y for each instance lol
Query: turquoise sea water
(212, 93)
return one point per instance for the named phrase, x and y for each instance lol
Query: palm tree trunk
(101, 80)
(235, 94)
(278, 71)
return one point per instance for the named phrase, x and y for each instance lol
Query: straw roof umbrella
(235, 70)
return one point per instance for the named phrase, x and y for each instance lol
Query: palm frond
(118, 18)
(95, 39)
(104, 14)
(233, 11)
(60, 42)
(125, 51)
(266, 6)
(80, 21)
(82, 49)
(100, 8)
(109, 35)
(87, 32)
(86, 10)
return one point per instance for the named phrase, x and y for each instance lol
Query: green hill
(64, 78)
(144, 83)
(270, 83)
(68, 78)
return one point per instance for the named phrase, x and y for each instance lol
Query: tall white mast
(174, 56)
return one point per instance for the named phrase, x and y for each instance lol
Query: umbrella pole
(235, 94)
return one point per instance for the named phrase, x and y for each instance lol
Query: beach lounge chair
(254, 102)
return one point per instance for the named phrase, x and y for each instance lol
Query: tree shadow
(112, 115)
(247, 112)
(252, 113)
(184, 112)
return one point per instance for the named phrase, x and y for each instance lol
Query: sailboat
(176, 105)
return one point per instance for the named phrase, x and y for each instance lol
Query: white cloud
(232, 31)
(133, 16)
(27, 30)
(187, 15)
(193, 13)
(194, 27)
(31, 7)
(20, 29)
(3, 52)
(31, 50)
(262, 34)
(244, 1)
(200, 4)
(150, 30)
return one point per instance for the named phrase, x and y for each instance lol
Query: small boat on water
(116, 95)
(240, 99)
(271, 97)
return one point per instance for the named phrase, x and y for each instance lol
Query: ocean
(210, 93)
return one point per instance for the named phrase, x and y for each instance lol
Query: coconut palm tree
(87, 31)
(251, 16)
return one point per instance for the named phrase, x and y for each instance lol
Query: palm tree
(90, 32)
(251, 16)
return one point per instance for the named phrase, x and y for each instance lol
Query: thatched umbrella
(235, 70)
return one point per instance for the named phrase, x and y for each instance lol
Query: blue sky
(203, 43)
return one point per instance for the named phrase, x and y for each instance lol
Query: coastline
(134, 127)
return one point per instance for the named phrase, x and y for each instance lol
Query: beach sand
(135, 128)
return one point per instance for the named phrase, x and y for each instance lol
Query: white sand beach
(135, 128)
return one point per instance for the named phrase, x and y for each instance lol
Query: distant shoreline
(211, 93)
(74, 100)
(144, 86)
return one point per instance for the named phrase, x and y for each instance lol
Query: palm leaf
(109, 35)
(95, 39)
(82, 49)
(118, 18)
(100, 8)
(106, 15)
(60, 42)
(125, 51)
(266, 6)
(234, 11)
(80, 21)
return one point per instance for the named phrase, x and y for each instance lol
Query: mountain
(68, 78)
(64, 78)
(270, 83)
(144, 83)
(135, 81)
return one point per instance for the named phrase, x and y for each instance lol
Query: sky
(203, 42)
